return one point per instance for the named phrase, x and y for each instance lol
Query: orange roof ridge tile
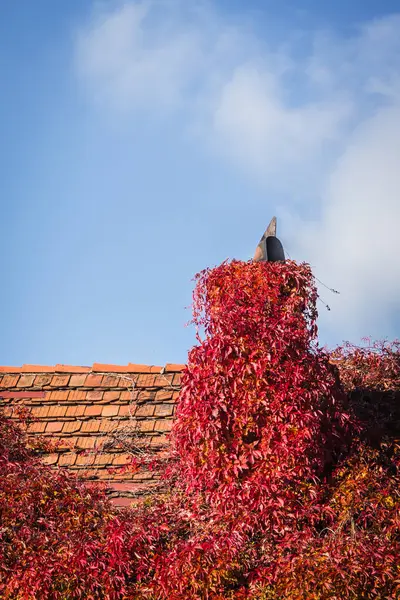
(96, 368)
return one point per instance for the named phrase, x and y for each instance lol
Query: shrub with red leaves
(284, 474)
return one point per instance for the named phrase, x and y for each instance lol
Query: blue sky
(144, 141)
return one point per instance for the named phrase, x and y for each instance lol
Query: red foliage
(279, 487)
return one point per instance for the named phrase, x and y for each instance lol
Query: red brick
(173, 368)
(91, 426)
(77, 380)
(26, 381)
(67, 460)
(71, 426)
(50, 459)
(77, 395)
(93, 411)
(147, 410)
(71, 369)
(9, 381)
(56, 411)
(110, 411)
(75, 411)
(60, 380)
(42, 380)
(93, 380)
(111, 396)
(58, 395)
(94, 395)
(164, 410)
(37, 427)
(54, 427)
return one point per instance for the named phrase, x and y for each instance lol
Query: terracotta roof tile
(54, 427)
(110, 411)
(81, 408)
(77, 395)
(143, 368)
(172, 368)
(77, 380)
(36, 369)
(109, 396)
(60, 380)
(25, 380)
(71, 426)
(93, 380)
(71, 369)
(93, 410)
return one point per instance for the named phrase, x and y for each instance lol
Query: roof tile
(25, 381)
(113, 395)
(110, 411)
(164, 410)
(42, 380)
(37, 427)
(93, 411)
(106, 368)
(71, 426)
(91, 426)
(71, 369)
(60, 380)
(9, 381)
(147, 410)
(77, 395)
(92, 404)
(36, 369)
(54, 427)
(133, 368)
(58, 395)
(57, 411)
(110, 381)
(93, 380)
(94, 395)
(86, 442)
(67, 460)
(173, 368)
(75, 411)
(77, 380)
(51, 459)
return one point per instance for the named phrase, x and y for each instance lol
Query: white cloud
(325, 126)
